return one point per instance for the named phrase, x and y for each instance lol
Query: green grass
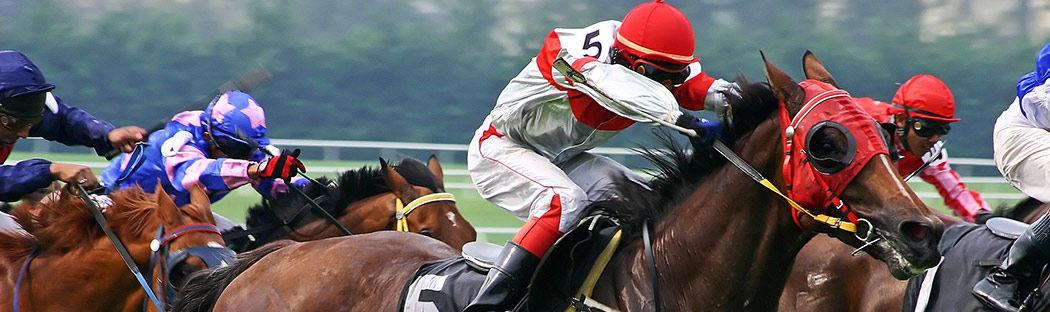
(478, 211)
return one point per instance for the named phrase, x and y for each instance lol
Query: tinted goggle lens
(927, 128)
(233, 148)
(663, 72)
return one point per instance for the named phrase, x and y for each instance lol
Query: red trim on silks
(539, 234)
(693, 92)
(488, 133)
(5, 151)
(592, 114)
(545, 59)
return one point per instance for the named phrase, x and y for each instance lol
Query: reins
(402, 210)
(159, 247)
(123, 251)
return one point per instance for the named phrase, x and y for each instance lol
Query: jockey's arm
(703, 92)
(625, 88)
(23, 178)
(964, 202)
(72, 126)
(190, 166)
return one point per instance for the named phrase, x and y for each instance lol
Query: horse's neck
(102, 280)
(364, 216)
(729, 246)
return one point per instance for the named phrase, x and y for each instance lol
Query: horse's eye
(830, 147)
(427, 232)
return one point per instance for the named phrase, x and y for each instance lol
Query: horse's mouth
(902, 264)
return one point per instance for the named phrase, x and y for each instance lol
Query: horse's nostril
(915, 231)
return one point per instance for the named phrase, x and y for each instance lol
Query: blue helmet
(22, 86)
(233, 119)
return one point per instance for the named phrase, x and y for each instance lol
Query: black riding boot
(505, 284)
(1025, 258)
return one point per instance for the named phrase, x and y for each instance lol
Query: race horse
(411, 197)
(720, 241)
(65, 262)
(826, 278)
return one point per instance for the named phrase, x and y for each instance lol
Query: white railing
(330, 151)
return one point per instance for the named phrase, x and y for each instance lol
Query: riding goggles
(234, 145)
(17, 124)
(661, 72)
(928, 128)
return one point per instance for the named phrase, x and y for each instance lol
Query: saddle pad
(443, 285)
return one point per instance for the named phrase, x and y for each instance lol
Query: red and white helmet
(925, 96)
(657, 31)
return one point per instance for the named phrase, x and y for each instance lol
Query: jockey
(1022, 153)
(28, 108)
(209, 148)
(921, 113)
(530, 157)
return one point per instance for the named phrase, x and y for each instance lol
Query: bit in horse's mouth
(899, 265)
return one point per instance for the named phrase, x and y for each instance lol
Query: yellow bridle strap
(402, 210)
(833, 222)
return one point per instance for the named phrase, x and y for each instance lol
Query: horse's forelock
(417, 173)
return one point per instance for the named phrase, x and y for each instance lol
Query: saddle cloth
(444, 285)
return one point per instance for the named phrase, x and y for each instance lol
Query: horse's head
(429, 212)
(836, 158)
(186, 240)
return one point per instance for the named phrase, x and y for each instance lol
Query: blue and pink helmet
(233, 119)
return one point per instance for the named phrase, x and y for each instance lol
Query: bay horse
(827, 278)
(65, 262)
(720, 241)
(367, 200)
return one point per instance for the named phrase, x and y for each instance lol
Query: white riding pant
(1022, 153)
(524, 183)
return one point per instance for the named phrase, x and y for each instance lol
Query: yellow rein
(403, 210)
(833, 222)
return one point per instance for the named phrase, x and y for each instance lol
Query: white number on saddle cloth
(424, 283)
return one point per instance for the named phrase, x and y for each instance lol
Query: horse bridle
(213, 256)
(831, 199)
(401, 210)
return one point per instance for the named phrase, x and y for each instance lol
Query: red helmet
(925, 96)
(657, 31)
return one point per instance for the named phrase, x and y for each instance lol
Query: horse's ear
(397, 184)
(785, 88)
(435, 169)
(815, 70)
(166, 209)
(200, 204)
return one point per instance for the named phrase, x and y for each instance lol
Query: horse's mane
(1019, 211)
(678, 171)
(67, 224)
(351, 186)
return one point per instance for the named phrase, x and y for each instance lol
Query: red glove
(283, 166)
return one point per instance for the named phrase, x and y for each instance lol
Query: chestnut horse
(826, 278)
(367, 200)
(65, 262)
(721, 241)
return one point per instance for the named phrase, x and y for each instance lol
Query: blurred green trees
(393, 70)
